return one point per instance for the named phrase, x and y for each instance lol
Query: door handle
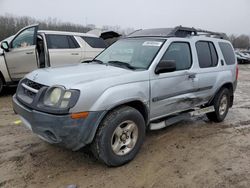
(191, 76)
(222, 62)
(29, 53)
(74, 53)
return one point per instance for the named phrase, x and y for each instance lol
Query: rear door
(63, 50)
(21, 57)
(208, 73)
(174, 91)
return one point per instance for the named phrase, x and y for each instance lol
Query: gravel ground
(194, 153)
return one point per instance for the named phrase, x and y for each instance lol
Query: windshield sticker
(152, 43)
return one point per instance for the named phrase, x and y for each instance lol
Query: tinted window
(72, 42)
(207, 54)
(227, 52)
(61, 42)
(213, 54)
(95, 42)
(180, 53)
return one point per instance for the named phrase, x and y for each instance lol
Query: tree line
(9, 25)
(241, 41)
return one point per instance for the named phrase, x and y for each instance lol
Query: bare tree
(242, 41)
(9, 25)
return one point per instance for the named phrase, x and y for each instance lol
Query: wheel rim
(124, 138)
(223, 105)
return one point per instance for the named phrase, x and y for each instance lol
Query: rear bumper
(60, 129)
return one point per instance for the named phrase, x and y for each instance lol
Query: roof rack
(178, 31)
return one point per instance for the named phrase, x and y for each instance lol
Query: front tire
(221, 104)
(1, 85)
(119, 137)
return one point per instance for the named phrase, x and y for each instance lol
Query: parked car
(31, 48)
(242, 58)
(148, 80)
(246, 54)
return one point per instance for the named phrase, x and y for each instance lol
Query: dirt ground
(194, 153)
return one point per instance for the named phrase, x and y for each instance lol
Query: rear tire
(221, 104)
(119, 137)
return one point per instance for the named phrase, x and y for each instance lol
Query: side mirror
(5, 46)
(165, 66)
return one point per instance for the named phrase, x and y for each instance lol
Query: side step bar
(172, 120)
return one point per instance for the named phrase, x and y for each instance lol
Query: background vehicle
(30, 49)
(242, 58)
(149, 80)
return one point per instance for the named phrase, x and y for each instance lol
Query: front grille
(33, 85)
(28, 90)
(29, 93)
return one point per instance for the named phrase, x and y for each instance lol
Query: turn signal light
(79, 115)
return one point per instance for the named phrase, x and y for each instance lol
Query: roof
(67, 33)
(105, 34)
(178, 31)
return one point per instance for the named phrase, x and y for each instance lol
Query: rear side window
(207, 54)
(95, 42)
(180, 53)
(72, 42)
(61, 42)
(227, 52)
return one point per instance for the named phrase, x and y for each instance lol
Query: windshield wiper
(98, 61)
(122, 64)
(94, 60)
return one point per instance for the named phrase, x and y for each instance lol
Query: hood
(70, 76)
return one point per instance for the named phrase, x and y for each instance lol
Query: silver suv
(148, 80)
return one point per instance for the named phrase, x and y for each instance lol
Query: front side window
(207, 54)
(131, 53)
(61, 42)
(180, 53)
(24, 39)
(227, 52)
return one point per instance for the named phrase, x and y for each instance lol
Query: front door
(21, 57)
(174, 91)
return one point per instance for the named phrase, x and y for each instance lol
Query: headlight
(54, 97)
(59, 97)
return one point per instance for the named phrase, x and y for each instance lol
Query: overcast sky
(229, 16)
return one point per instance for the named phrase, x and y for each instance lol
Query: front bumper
(60, 129)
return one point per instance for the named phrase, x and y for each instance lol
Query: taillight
(237, 71)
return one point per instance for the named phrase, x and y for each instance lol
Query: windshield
(131, 53)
